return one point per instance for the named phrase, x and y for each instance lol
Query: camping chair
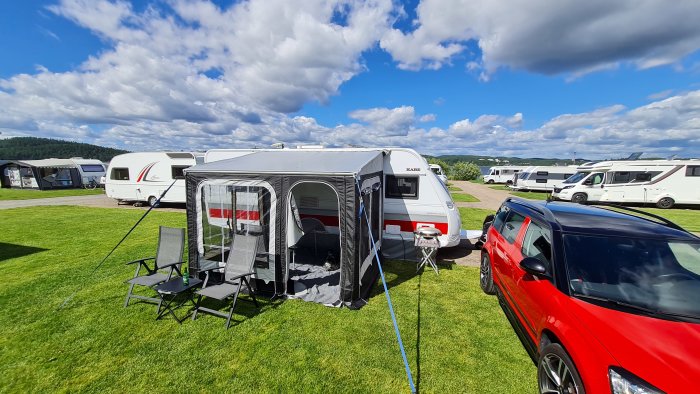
(237, 271)
(171, 242)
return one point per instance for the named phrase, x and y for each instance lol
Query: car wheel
(490, 182)
(509, 182)
(486, 276)
(665, 203)
(556, 372)
(153, 201)
(579, 198)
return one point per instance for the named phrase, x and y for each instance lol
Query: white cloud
(427, 118)
(548, 37)
(395, 121)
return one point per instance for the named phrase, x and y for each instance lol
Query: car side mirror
(534, 266)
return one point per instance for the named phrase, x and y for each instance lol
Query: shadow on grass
(11, 251)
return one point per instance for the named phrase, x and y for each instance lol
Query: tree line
(33, 148)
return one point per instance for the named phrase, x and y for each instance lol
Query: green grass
(689, 219)
(528, 195)
(454, 188)
(27, 194)
(463, 197)
(500, 187)
(479, 180)
(473, 218)
(457, 339)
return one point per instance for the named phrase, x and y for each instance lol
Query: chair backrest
(171, 245)
(241, 257)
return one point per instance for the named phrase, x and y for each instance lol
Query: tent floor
(310, 281)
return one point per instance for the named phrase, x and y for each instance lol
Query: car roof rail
(664, 221)
(527, 204)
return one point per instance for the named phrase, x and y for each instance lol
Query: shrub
(463, 171)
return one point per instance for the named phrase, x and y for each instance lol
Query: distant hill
(487, 161)
(32, 148)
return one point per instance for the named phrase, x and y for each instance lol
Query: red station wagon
(603, 301)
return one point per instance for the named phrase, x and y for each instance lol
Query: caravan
(660, 182)
(413, 195)
(502, 174)
(145, 176)
(91, 170)
(541, 178)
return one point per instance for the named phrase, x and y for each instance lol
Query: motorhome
(437, 169)
(91, 170)
(144, 176)
(541, 178)
(413, 195)
(660, 182)
(502, 174)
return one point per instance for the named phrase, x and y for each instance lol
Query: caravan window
(621, 177)
(178, 172)
(692, 171)
(542, 173)
(642, 177)
(120, 174)
(405, 187)
(541, 180)
(92, 168)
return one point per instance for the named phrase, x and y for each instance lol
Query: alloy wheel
(556, 377)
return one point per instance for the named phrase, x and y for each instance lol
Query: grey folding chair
(237, 272)
(171, 243)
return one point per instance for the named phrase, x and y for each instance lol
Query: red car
(603, 301)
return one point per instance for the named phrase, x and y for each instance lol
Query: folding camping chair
(237, 272)
(171, 243)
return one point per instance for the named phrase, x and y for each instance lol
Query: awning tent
(306, 208)
(40, 174)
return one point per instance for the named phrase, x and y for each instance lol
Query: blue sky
(528, 79)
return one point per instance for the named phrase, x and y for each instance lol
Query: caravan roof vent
(179, 155)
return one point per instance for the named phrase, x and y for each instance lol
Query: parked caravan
(541, 178)
(502, 174)
(144, 176)
(660, 182)
(413, 195)
(439, 172)
(91, 170)
(315, 215)
(43, 174)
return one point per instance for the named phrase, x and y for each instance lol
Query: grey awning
(48, 163)
(326, 162)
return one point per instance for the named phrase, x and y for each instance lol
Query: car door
(534, 293)
(495, 241)
(508, 250)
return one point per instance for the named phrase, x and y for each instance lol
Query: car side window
(512, 226)
(538, 243)
(500, 218)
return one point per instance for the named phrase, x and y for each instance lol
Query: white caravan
(91, 170)
(541, 178)
(413, 197)
(439, 172)
(502, 174)
(144, 176)
(660, 182)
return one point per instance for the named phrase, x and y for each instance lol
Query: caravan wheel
(665, 203)
(153, 201)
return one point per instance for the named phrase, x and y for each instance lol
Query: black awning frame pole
(70, 297)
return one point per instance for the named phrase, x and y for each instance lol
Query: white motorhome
(144, 176)
(91, 170)
(502, 174)
(660, 182)
(439, 172)
(414, 197)
(541, 178)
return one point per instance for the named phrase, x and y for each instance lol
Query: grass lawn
(27, 194)
(463, 197)
(479, 180)
(532, 195)
(457, 339)
(473, 218)
(689, 219)
(454, 188)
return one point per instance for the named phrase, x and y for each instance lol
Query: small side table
(169, 292)
(426, 240)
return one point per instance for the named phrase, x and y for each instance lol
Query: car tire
(486, 275)
(579, 198)
(665, 203)
(490, 182)
(556, 372)
(153, 201)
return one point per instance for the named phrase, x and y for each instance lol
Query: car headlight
(567, 187)
(623, 382)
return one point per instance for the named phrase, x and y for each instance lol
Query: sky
(526, 78)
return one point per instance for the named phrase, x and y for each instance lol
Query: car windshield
(656, 275)
(576, 178)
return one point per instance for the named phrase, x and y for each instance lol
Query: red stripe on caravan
(327, 220)
(240, 214)
(144, 171)
(409, 226)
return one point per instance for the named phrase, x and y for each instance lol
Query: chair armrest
(142, 263)
(240, 276)
(172, 264)
(211, 269)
